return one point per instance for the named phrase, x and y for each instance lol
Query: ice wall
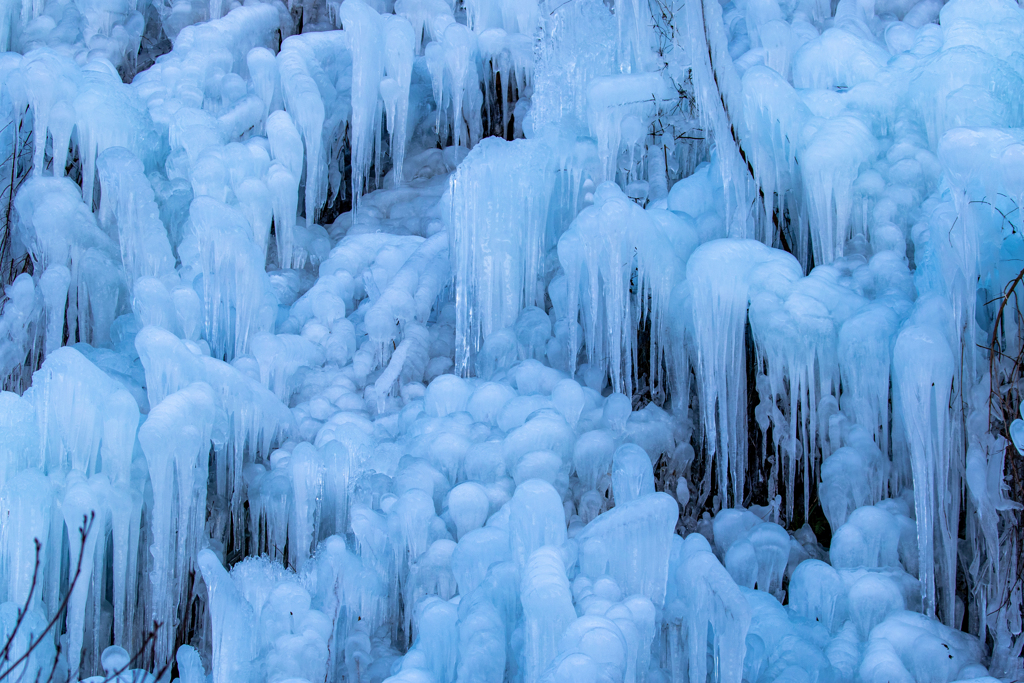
(620, 342)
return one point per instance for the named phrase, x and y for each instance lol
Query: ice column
(717, 616)
(128, 201)
(620, 267)
(176, 441)
(237, 299)
(498, 231)
(399, 47)
(923, 365)
(631, 543)
(720, 274)
(231, 620)
(365, 30)
(547, 610)
(830, 162)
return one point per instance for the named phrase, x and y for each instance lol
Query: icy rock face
(511, 341)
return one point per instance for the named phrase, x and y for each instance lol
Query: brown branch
(84, 530)
(732, 128)
(996, 323)
(23, 611)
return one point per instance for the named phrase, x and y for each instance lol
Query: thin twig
(84, 530)
(23, 611)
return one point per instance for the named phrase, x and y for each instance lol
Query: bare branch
(84, 530)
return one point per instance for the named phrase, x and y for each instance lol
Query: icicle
(578, 44)
(399, 43)
(772, 122)
(59, 230)
(26, 502)
(176, 441)
(830, 162)
(853, 476)
(795, 335)
(82, 412)
(256, 418)
(124, 523)
(233, 638)
(237, 299)
(266, 80)
(498, 267)
(536, 519)
(436, 627)
(420, 14)
(20, 327)
(613, 102)
(54, 284)
(717, 615)
(283, 187)
(632, 474)
(721, 275)
(434, 57)
(634, 37)
(971, 161)
(307, 470)
(864, 363)
(923, 375)
(128, 201)
(256, 203)
(300, 56)
(459, 56)
(621, 264)
(365, 31)
(82, 511)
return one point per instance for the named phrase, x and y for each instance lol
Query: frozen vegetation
(511, 341)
